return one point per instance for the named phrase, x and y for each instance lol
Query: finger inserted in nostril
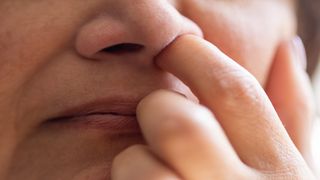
(123, 48)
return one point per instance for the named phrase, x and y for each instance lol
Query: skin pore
(54, 57)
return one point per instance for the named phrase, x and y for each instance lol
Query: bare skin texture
(52, 59)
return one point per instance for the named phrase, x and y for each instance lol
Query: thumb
(289, 89)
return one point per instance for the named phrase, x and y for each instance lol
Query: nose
(135, 28)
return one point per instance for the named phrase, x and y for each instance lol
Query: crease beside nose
(143, 27)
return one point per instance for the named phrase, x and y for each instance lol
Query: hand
(234, 134)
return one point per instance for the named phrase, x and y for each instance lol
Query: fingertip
(150, 101)
(300, 52)
(157, 102)
(155, 98)
(182, 43)
(290, 91)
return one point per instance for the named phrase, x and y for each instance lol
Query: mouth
(110, 116)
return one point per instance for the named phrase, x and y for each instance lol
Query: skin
(49, 50)
(208, 135)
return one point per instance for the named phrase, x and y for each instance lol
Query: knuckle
(238, 85)
(290, 173)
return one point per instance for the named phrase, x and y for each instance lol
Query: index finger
(234, 96)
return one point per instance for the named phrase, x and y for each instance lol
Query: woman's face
(73, 71)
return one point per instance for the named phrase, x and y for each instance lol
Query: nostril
(123, 48)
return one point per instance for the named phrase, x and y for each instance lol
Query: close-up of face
(66, 66)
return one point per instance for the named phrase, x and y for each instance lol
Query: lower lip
(109, 123)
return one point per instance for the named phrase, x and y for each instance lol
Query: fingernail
(300, 52)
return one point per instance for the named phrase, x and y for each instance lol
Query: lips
(110, 116)
(114, 114)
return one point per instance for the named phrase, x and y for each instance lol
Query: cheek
(247, 35)
(247, 47)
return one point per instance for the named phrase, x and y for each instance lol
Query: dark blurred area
(309, 30)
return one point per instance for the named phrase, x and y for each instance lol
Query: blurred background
(309, 30)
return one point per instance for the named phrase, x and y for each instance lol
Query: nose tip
(145, 27)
